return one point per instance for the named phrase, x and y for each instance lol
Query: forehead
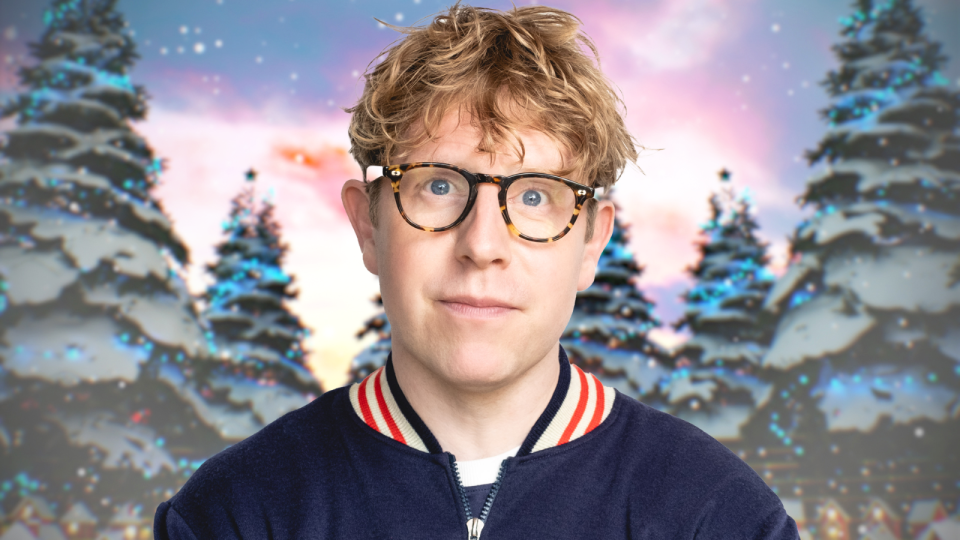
(457, 140)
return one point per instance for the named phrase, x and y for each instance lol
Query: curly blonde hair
(526, 68)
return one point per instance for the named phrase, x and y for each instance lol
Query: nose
(483, 237)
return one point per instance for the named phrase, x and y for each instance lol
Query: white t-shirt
(483, 471)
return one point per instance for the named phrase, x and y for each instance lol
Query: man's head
(524, 68)
(494, 93)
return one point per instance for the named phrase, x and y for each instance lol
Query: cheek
(554, 277)
(405, 263)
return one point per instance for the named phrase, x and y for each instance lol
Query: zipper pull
(474, 526)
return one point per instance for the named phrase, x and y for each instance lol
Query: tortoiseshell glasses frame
(394, 173)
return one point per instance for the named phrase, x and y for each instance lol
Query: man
(489, 133)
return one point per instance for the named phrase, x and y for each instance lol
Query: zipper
(475, 524)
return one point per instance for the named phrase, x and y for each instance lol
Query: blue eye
(440, 187)
(531, 198)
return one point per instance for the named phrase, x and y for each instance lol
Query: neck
(474, 424)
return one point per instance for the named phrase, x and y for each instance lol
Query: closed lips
(478, 302)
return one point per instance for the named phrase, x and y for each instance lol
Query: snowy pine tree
(866, 356)
(715, 384)
(375, 355)
(607, 333)
(246, 305)
(107, 395)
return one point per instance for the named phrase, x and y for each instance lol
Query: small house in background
(17, 531)
(944, 529)
(879, 512)
(32, 511)
(877, 531)
(128, 524)
(51, 531)
(79, 523)
(833, 521)
(922, 514)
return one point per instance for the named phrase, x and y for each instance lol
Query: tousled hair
(525, 68)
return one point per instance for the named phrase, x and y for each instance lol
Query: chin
(478, 365)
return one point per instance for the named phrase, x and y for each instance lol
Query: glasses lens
(432, 196)
(540, 207)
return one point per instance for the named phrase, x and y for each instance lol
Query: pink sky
(302, 156)
(708, 84)
(207, 158)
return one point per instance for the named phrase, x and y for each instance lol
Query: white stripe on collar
(373, 402)
(585, 406)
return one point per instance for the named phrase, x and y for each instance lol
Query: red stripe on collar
(586, 405)
(373, 401)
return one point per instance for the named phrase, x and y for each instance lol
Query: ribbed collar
(579, 404)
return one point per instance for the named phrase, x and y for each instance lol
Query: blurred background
(176, 269)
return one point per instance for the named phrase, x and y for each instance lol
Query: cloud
(322, 167)
(670, 35)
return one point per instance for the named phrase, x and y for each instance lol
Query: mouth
(477, 307)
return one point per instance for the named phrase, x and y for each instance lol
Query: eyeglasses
(435, 197)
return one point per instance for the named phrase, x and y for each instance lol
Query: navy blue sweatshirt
(359, 463)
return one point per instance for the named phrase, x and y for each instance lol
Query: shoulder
(268, 453)
(308, 425)
(228, 488)
(717, 490)
(673, 441)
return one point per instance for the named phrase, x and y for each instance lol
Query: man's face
(475, 305)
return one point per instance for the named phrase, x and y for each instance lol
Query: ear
(357, 205)
(593, 248)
